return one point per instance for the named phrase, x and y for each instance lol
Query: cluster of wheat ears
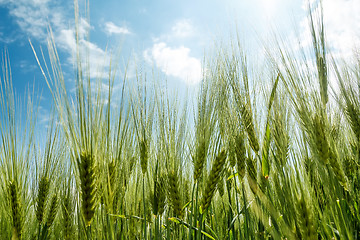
(265, 155)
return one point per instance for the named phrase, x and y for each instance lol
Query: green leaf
(232, 176)
(119, 216)
(208, 235)
(187, 204)
(174, 219)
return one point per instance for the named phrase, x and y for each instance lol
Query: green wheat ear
(199, 160)
(144, 155)
(159, 196)
(174, 193)
(247, 118)
(353, 115)
(67, 208)
(213, 180)
(16, 210)
(240, 152)
(88, 189)
(321, 141)
(305, 220)
(52, 210)
(43, 191)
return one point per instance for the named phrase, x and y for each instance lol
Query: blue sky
(170, 37)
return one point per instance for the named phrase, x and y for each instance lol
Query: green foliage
(282, 162)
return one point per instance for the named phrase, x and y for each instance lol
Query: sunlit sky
(169, 37)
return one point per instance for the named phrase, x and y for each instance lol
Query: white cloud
(27, 66)
(269, 7)
(175, 62)
(34, 17)
(182, 28)
(7, 39)
(342, 25)
(96, 58)
(111, 28)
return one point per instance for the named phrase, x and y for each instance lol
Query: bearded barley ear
(88, 188)
(240, 151)
(250, 167)
(112, 172)
(321, 142)
(349, 167)
(42, 195)
(67, 211)
(229, 183)
(213, 179)
(159, 196)
(143, 155)
(305, 220)
(174, 194)
(281, 139)
(199, 160)
(162, 196)
(232, 151)
(110, 184)
(52, 210)
(16, 210)
(353, 115)
(337, 169)
(221, 187)
(247, 118)
(186, 190)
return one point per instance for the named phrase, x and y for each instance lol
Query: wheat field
(272, 154)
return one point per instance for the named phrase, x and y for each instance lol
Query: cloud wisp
(342, 25)
(35, 16)
(175, 62)
(111, 28)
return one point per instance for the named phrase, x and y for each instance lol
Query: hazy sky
(170, 37)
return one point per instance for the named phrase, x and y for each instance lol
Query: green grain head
(240, 151)
(174, 193)
(41, 199)
(320, 140)
(159, 196)
(88, 186)
(305, 220)
(213, 179)
(144, 155)
(247, 119)
(16, 210)
(52, 210)
(199, 160)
